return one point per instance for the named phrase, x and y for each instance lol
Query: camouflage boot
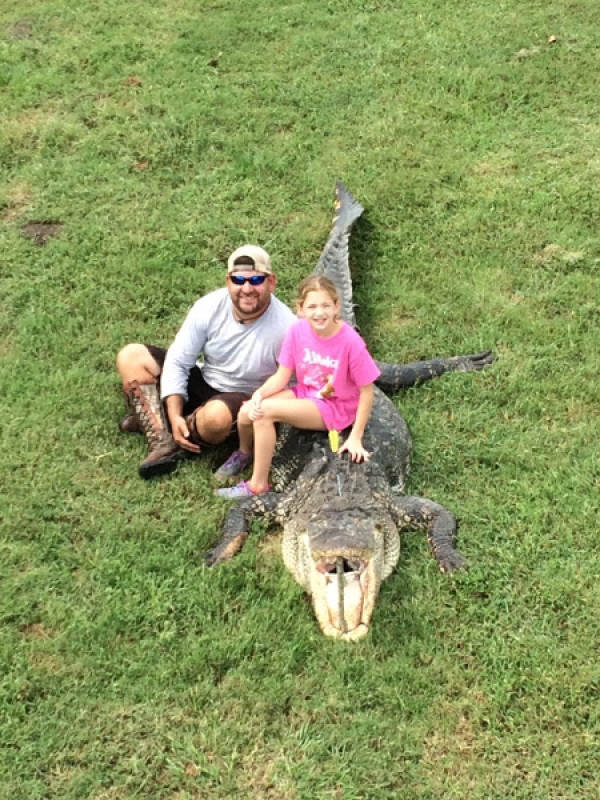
(163, 453)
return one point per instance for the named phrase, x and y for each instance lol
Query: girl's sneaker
(236, 463)
(240, 491)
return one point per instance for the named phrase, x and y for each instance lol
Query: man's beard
(253, 306)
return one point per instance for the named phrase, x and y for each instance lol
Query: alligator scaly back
(333, 263)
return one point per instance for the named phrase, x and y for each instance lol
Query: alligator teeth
(326, 566)
(351, 566)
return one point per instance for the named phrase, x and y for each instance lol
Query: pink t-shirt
(341, 360)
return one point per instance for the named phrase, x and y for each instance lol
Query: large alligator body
(342, 520)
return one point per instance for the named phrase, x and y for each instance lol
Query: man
(238, 330)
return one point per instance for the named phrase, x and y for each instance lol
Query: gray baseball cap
(249, 256)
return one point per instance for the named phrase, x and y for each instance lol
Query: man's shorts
(200, 392)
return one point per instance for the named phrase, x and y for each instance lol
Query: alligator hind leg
(437, 521)
(402, 376)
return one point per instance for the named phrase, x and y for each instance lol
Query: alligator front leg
(237, 527)
(439, 523)
(402, 376)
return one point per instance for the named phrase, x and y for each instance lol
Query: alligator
(342, 520)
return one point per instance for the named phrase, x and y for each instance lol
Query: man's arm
(180, 359)
(187, 346)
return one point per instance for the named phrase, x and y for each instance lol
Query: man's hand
(181, 434)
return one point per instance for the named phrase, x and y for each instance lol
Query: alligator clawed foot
(225, 550)
(210, 558)
(481, 360)
(453, 563)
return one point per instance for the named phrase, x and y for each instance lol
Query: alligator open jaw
(339, 593)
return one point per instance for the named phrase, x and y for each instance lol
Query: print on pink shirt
(317, 378)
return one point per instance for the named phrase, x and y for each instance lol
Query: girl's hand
(353, 445)
(254, 406)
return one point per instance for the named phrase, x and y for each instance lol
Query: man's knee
(131, 355)
(213, 421)
(134, 362)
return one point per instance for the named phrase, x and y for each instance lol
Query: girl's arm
(278, 381)
(353, 443)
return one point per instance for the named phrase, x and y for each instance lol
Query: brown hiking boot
(163, 452)
(129, 424)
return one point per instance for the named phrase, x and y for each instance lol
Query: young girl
(334, 389)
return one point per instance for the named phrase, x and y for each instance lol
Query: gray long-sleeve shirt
(236, 357)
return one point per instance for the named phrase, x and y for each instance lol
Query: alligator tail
(333, 262)
(347, 208)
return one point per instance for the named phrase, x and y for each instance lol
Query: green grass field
(160, 136)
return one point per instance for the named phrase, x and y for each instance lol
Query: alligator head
(342, 549)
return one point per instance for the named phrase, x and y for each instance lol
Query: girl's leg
(245, 431)
(299, 413)
(242, 457)
(245, 424)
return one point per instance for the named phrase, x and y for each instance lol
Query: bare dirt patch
(41, 231)
(21, 29)
(38, 630)
(554, 252)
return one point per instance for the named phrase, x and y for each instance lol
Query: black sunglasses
(254, 280)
